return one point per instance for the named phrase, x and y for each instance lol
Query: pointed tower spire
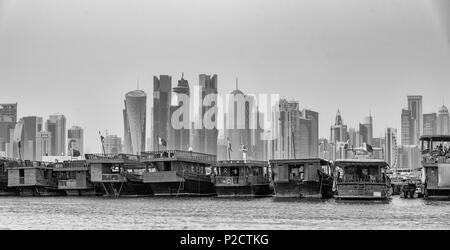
(237, 83)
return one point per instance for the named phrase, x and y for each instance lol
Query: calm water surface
(215, 213)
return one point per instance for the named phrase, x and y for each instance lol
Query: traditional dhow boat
(118, 175)
(179, 173)
(362, 179)
(436, 166)
(4, 189)
(32, 178)
(74, 178)
(239, 178)
(302, 178)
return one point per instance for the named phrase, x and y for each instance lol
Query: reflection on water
(213, 213)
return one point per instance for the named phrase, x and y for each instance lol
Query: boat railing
(113, 177)
(67, 183)
(365, 179)
(230, 180)
(169, 154)
(70, 164)
(111, 157)
(428, 159)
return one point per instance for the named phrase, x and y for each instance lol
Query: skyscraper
(43, 144)
(56, 124)
(75, 136)
(134, 116)
(238, 131)
(113, 144)
(32, 125)
(366, 129)
(443, 121)
(181, 136)
(408, 128)
(205, 140)
(162, 100)
(429, 124)
(313, 143)
(8, 119)
(338, 130)
(354, 139)
(415, 106)
(391, 149)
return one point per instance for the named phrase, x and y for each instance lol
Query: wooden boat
(238, 178)
(178, 173)
(33, 178)
(302, 178)
(118, 175)
(436, 166)
(4, 189)
(362, 179)
(74, 178)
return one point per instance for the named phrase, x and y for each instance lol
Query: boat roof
(177, 155)
(300, 160)
(112, 158)
(435, 138)
(231, 163)
(360, 162)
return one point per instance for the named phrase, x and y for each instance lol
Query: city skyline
(316, 57)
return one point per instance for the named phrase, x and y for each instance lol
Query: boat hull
(258, 190)
(124, 189)
(362, 191)
(303, 190)
(40, 191)
(438, 194)
(184, 187)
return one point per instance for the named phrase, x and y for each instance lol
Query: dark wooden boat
(435, 167)
(4, 189)
(362, 179)
(302, 178)
(118, 175)
(178, 173)
(32, 178)
(74, 178)
(242, 178)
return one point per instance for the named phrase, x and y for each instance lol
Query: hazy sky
(80, 57)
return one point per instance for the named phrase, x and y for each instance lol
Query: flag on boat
(162, 142)
(368, 147)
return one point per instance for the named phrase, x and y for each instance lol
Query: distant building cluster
(295, 131)
(30, 138)
(401, 153)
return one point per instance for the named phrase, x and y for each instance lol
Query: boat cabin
(112, 167)
(164, 165)
(110, 173)
(362, 179)
(242, 178)
(178, 173)
(32, 177)
(310, 177)
(436, 165)
(73, 177)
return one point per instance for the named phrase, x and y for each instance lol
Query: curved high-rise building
(134, 116)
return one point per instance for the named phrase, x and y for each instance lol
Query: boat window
(234, 171)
